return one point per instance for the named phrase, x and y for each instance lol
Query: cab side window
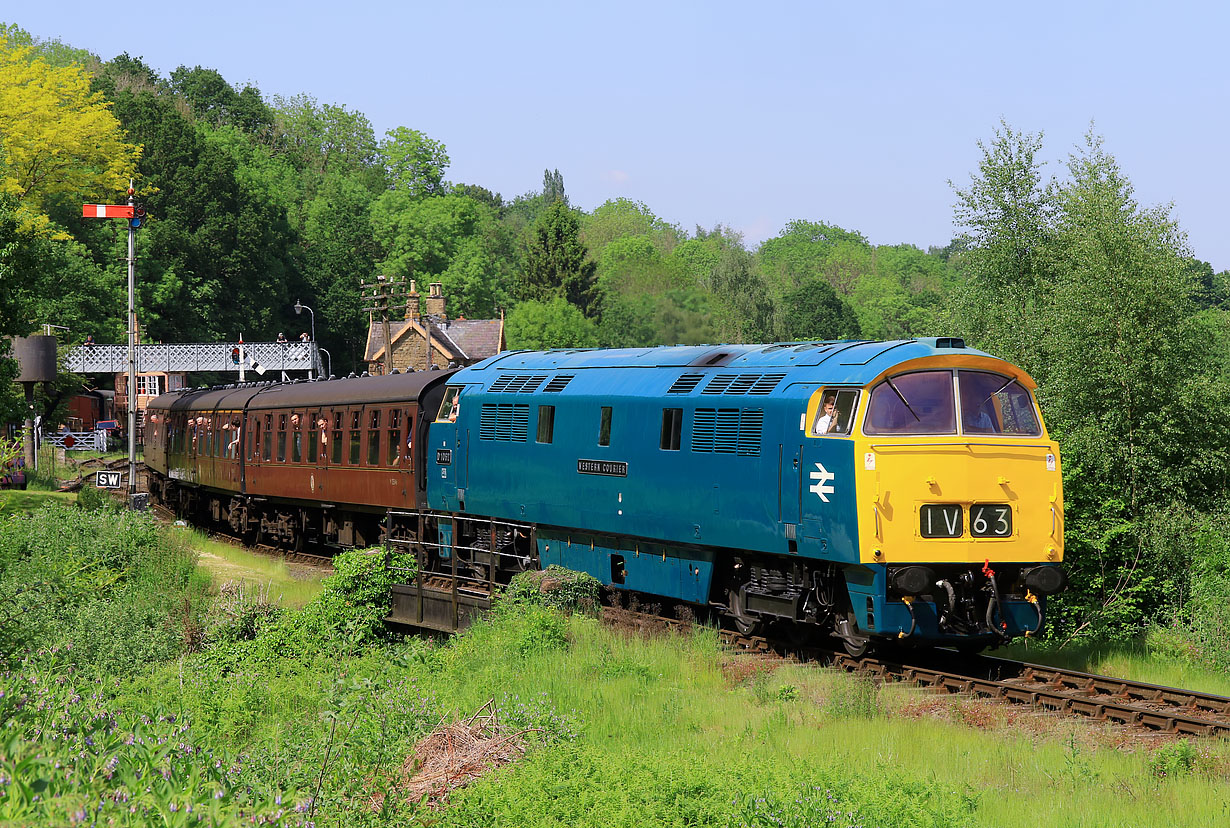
(835, 413)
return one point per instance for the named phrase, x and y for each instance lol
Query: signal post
(135, 214)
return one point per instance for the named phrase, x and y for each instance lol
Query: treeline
(257, 202)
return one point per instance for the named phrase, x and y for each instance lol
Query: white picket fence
(81, 440)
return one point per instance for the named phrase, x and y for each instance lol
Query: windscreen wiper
(904, 401)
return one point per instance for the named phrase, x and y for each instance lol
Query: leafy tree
(451, 238)
(813, 310)
(743, 309)
(216, 101)
(622, 217)
(414, 162)
(1128, 378)
(553, 323)
(1010, 211)
(553, 188)
(327, 139)
(338, 249)
(556, 263)
(57, 138)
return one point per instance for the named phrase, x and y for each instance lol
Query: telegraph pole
(387, 293)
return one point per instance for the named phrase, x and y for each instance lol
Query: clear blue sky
(741, 113)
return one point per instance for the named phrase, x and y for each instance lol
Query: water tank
(36, 358)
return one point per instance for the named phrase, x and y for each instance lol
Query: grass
(306, 711)
(13, 501)
(285, 584)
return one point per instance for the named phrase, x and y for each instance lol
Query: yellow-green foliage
(56, 137)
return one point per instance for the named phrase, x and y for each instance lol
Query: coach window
(546, 423)
(356, 437)
(410, 438)
(604, 427)
(296, 438)
(281, 438)
(233, 445)
(337, 438)
(267, 445)
(373, 439)
(311, 438)
(394, 436)
(917, 403)
(672, 427)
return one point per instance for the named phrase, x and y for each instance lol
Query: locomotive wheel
(855, 642)
(745, 623)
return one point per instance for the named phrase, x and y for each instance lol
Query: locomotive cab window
(450, 406)
(995, 404)
(832, 412)
(920, 402)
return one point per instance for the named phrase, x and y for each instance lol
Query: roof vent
(950, 342)
(685, 384)
(558, 383)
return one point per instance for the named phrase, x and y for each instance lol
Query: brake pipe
(908, 600)
(1033, 599)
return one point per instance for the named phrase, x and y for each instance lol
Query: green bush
(345, 618)
(93, 499)
(110, 583)
(558, 588)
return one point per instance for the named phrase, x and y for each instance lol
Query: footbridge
(196, 356)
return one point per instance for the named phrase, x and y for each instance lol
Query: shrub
(558, 588)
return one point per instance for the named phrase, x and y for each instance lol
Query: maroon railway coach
(292, 463)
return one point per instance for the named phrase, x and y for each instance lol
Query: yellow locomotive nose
(957, 467)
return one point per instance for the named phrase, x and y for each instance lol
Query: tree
(415, 163)
(813, 310)
(556, 263)
(215, 101)
(1009, 210)
(57, 138)
(623, 217)
(1092, 293)
(554, 323)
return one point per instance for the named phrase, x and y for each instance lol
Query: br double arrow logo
(822, 476)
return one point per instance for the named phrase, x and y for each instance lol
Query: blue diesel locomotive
(871, 490)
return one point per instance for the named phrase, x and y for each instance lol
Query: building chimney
(435, 302)
(412, 302)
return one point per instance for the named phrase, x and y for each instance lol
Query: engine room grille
(504, 421)
(517, 383)
(728, 431)
(756, 385)
(685, 384)
(558, 383)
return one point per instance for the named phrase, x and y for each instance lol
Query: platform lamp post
(299, 309)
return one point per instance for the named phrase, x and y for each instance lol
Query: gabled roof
(459, 339)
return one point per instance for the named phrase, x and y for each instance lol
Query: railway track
(1109, 699)
(288, 555)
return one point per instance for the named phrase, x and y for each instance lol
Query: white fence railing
(77, 440)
